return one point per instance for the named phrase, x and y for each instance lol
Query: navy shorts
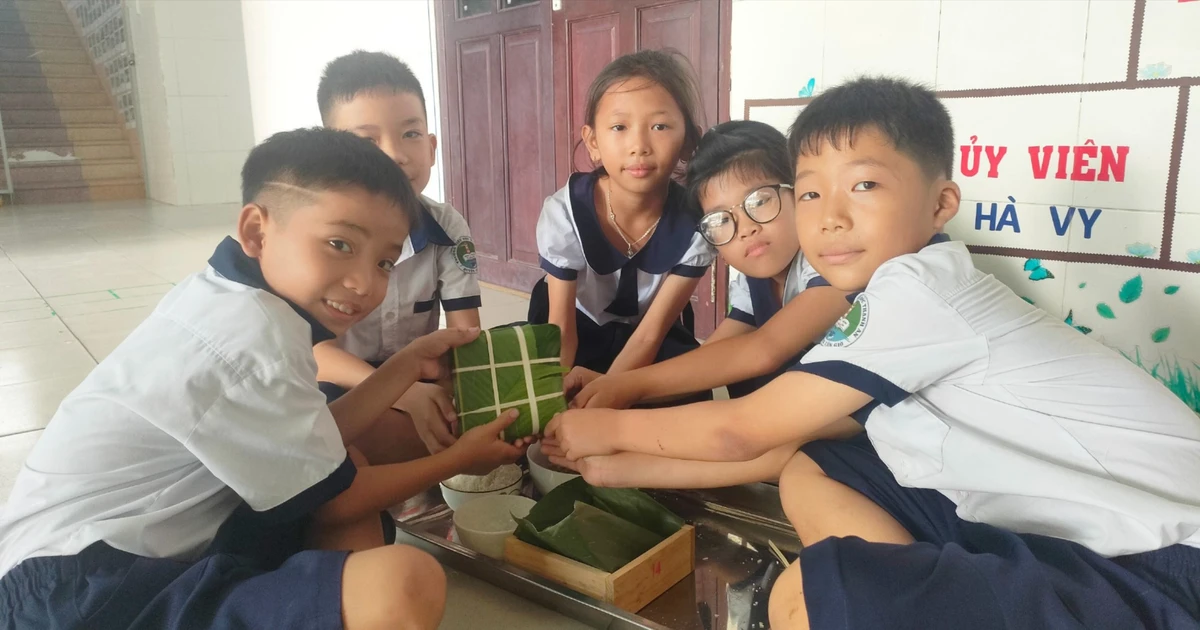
(962, 575)
(253, 575)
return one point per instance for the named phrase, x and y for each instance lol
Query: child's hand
(427, 351)
(483, 448)
(607, 392)
(603, 471)
(582, 433)
(577, 379)
(432, 413)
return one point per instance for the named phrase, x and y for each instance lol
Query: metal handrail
(8, 182)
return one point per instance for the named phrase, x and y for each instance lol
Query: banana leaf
(510, 368)
(604, 528)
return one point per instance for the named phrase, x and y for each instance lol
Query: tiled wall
(1110, 242)
(194, 94)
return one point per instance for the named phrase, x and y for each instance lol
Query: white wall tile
(208, 19)
(201, 123)
(208, 67)
(214, 177)
(1169, 35)
(170, 71)
(996, 43)
(175, 124)
(780, 118)
(237, 129)
(777, 47)
(183, 185)
(856, 32)
(1106, 118)
(1036, 222)
(1185, 239)
(1109, 28)
(1188, 193)
(1050, 119)
(1119, 232)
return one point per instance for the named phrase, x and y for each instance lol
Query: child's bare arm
(792, 407)
(561, 295)
(735, 358)
(638, 470)
(465, 318)
(643, 346)
(339, 367)
(377, 488)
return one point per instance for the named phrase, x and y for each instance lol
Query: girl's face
(759, 250)
(638, 135)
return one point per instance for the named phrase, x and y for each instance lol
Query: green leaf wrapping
(475, 390)
(632, 523)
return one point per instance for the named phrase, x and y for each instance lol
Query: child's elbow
(734, 445)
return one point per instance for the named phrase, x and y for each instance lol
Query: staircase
(66, 140)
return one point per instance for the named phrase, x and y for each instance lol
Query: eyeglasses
(762, 205)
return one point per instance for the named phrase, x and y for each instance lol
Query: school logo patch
(464, 255)
(851, 325)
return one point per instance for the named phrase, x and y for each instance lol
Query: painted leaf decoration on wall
(1105, 311)
(1132, 289)
(1082, 285)
(1160, 335)
(1171, 290)
(1027, 299)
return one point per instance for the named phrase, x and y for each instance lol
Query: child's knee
(393, 587)
(787, 608)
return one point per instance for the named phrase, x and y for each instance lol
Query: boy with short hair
(181, 482)
(376, 96)
(1013, 473)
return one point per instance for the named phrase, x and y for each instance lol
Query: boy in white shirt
(196, 478)
(1013, 473)
(376, 96)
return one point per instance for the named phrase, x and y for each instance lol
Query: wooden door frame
(440, 8)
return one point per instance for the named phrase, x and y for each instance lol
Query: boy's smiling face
(330, 252)
(863, 204)
(396, 123)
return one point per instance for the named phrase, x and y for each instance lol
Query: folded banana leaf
(510, 368)
(605, 528)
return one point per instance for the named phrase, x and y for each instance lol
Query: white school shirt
(438, 265)
(611, 287)
(210, 402)
(752, 301)
(1020, 420)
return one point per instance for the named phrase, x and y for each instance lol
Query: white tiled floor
(76, 279)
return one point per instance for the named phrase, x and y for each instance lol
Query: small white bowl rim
(490, 532)
(533, 463)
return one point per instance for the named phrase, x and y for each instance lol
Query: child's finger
(445, 405)
(503, 420)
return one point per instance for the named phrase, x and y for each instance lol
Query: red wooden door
(497, 104)
(590, 33)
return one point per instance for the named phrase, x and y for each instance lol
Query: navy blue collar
(233, 264)
(428, 231)
(662, 252)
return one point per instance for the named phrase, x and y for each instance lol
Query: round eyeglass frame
(733, 217)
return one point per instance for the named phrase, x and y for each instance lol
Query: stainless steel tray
(728, 589)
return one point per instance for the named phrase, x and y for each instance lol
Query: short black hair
(319, 159)
(362, 71)
(743, 148)
(911, 116)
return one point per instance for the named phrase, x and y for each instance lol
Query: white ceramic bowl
(484, 524)
(545, 477)
(457, 498)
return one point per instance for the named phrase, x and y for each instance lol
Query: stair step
(14, 118)
(66, 171)
(49, 100)
(103, 190)
(53, 84)
(45, 69)
(27, 40)
(45, 15)
(26, 136)
(80, 150)
(37, 28)
(28, 53)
